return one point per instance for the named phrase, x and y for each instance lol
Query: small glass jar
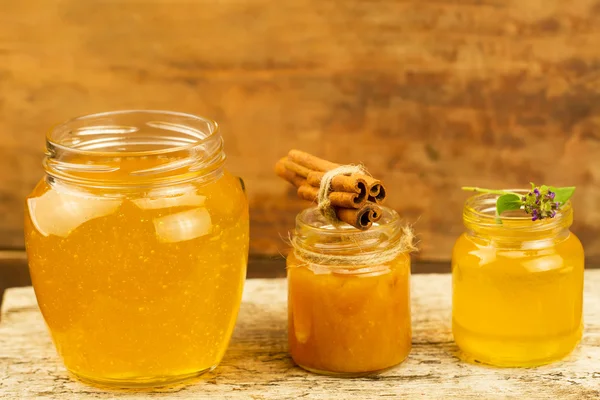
(517, 286)
(137, 241)
(348, 296)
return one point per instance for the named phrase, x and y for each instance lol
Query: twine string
(403, 245)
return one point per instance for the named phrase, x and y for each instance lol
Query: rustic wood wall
(430, 95)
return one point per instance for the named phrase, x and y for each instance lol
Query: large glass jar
(137, 241)
(348, 296)
(517, 286)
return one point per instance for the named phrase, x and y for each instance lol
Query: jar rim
(317, 241)
(134, 149)
(389, 218)
(62, 128)
(480, 211)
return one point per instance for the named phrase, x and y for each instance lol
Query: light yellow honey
(517, 301)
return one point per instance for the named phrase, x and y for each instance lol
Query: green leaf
(563, 194)
(508, 202)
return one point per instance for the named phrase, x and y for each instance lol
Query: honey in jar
(517, 286)
(137, 239)
(348, 296)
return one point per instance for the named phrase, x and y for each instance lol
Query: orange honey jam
(137, 241)
(348, 307)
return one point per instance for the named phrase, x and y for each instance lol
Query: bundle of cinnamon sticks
(354, 198)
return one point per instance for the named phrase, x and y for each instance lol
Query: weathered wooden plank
(257, 365)
(429, 95)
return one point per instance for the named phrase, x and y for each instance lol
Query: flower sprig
(541, 202)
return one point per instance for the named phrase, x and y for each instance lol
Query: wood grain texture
(257, 365)
(429, 95)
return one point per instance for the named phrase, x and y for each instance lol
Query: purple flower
(540, 204)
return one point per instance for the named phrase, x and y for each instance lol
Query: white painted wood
(257, 365)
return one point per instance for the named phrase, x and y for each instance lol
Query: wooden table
(257, 365)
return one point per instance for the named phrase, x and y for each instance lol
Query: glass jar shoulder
(225, 196)
(59, 209)
(571, 250)
(536, 256)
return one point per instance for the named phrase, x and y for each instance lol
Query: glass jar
(517, 286)
(348, 296)
(137, 241)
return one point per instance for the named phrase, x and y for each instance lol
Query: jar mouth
(134, 148)
(480, 212)
(318, 240)
(132, 133)
(311, 219)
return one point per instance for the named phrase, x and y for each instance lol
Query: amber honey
(138, 274)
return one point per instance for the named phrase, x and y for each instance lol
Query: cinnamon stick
(354, 198)
(307, 192)
(377, 192)
(311, 162)
(296, 168)
(358, 218)
(339, 184)
(342, 183)
(290, 176)
(337, 199)
(376, 213)
(302, 163)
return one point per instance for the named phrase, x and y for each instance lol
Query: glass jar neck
(515, 227)
(319, 242)
(133, 149)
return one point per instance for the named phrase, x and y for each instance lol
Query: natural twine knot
(404, 244)
(324, 204)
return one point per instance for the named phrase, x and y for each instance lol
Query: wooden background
(430, 95)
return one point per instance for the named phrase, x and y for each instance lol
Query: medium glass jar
(517, 286)
(348, 296)
(137, 241)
